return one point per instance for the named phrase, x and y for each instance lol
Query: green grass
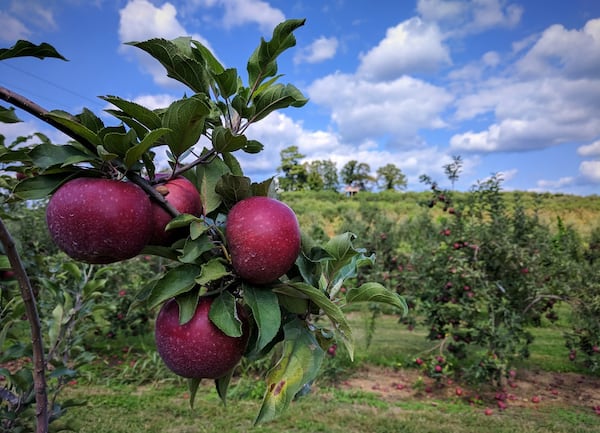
(163, 406)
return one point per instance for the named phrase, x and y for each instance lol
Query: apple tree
(232, 280)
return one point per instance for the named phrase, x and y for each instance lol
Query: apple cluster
(99, 221)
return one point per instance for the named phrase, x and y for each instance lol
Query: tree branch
(39, 365)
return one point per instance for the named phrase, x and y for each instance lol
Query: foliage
(356, 174)
(294, 175)
(390, 177)
(299, 315)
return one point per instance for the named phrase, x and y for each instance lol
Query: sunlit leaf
(185, 118)
(299, 365)
(8, 115)
(277, 97)
(376, 292)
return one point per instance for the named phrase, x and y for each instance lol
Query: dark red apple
(183, 196)
(197, 349)
(97, 220)
(263, 238)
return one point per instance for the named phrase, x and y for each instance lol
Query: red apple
(197, 349)
(99, 220)
(263, 237)
(183, 196)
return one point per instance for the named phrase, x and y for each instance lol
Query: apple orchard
(241, 277)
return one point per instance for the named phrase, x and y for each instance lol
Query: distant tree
(322, 174)
(454, 169)
(356, 174)
(294, 174)
(390, 177)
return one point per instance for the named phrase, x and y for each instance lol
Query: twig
(39, 366)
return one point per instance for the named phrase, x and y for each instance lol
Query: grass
(163, 406)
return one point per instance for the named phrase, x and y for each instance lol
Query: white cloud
(592, 149)
(550, 96)
(12, 29)
(570, 53)
(563, 182)
(590, 170)
(141, 20)
(239, 12)
(155, 101)
(462, 17)
(412, 46)
(364, 109)
(321, 49)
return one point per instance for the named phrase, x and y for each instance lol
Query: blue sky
(513, 87)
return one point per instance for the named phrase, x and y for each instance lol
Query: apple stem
(39, 373)
(152, 192)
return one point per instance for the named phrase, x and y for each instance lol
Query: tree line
(320, 175)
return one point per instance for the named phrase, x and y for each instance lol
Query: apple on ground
(183, 196)
(198, 349)
(263, 238)
(96, 220)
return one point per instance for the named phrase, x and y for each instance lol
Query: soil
(526, 389)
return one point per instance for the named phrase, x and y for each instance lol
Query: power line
(55, 85)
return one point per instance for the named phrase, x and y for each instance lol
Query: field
(381, 392)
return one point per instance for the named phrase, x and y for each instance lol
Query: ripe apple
(263, 237)
(101, 221)
(183, 196)
(198, 349)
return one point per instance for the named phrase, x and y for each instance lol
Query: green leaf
(265, 310)
(233, 188)
(331, 310)
(193, 385)
(232, 163)
(264, 188)
(75, 126)
(299, 364)
(185, 118)
(134, 153)
(8, 115)
(143, 115)
(277, 97)
(119, 143)
(88, 119)
(187, 303)
(26, 49)
(194, 248)
(223, 140)
(174, 282)
(201, 53)
(212, 270)
(37, 187)
(222, 384)
(208, 176)
(376, 292)
(46, 155)
(223, 313)
(227, 81)
(262, 62)
(177, 58)
(253, 146)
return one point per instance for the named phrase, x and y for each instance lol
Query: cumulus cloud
(413, 46)
(462, 17)
(592, 149)
(569, 53)
(11, 28)
(590, 170)
(141, 20)
(363, 109)
(551, 98)
(321, 49)
(22, 18)
(241, 12)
